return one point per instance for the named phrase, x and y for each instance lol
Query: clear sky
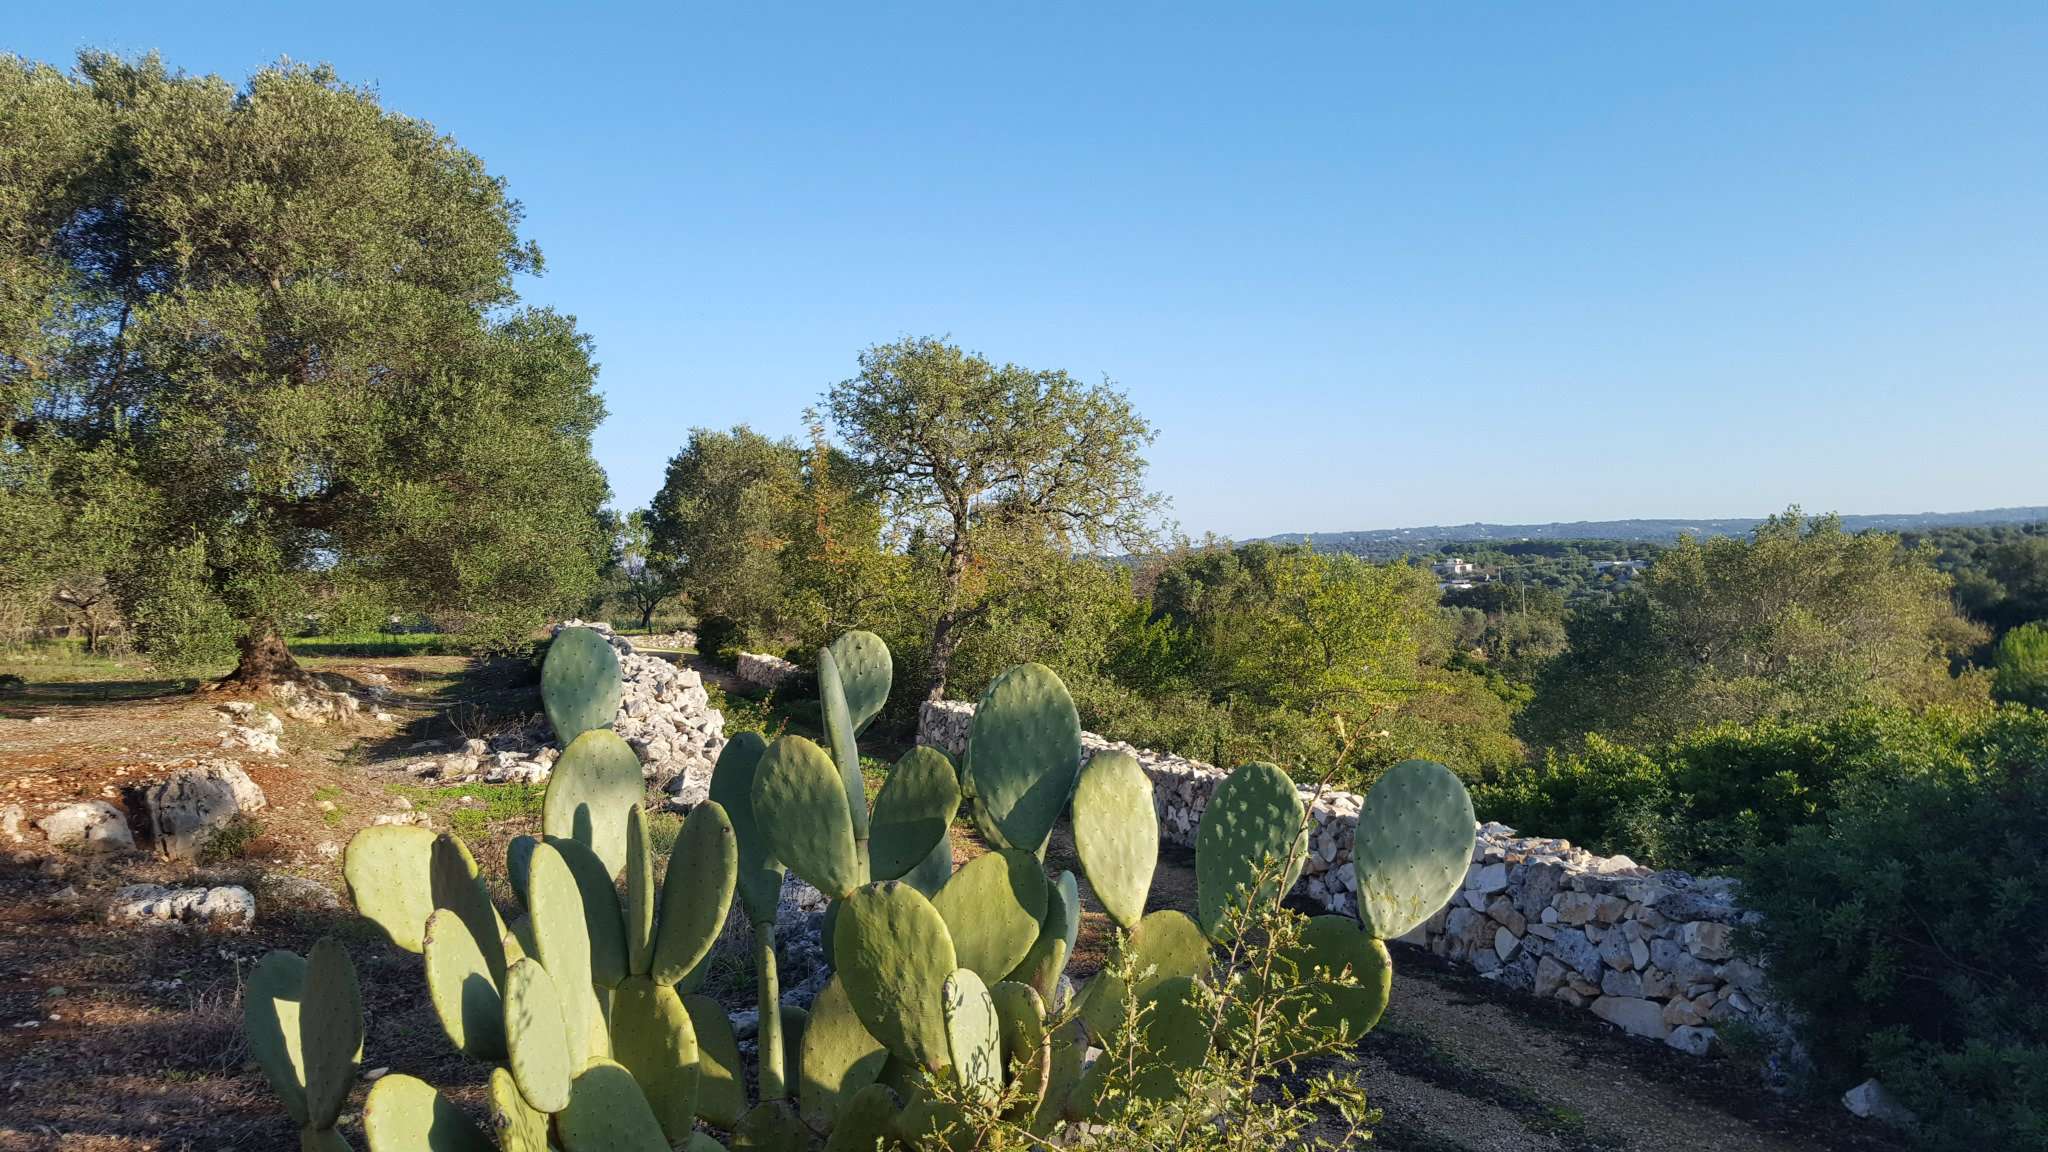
(1363, 265)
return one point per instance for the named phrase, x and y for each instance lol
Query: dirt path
(1461, 1065)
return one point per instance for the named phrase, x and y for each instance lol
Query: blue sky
(1362, 265)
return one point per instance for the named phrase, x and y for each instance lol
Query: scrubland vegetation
(295, 398)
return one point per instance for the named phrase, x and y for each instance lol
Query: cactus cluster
(941, 976)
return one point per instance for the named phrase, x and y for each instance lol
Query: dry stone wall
(764, 671)
(1650, 952)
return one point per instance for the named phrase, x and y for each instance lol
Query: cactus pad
(330, 1031)
(1174, 1033)
(893, 953)
(772, 1126)
(1254, 816)
(721, 1097)
(579, 683)
(1042, 966)
(697, 892)
(840, 735)
(993, 907)
(800, 802)
(1412, 846)
(270, 1024)
(404, 1114)
(865, 669)
(596, 780)
(1023, 753)
(840, 1057)
(518, 856)
(520, 1127)
(934, 870)
(914, 809)
(1027, 1047)
(604, 921)
(389, 869)
(1116, 833)
(1333, 944)
(1165, 944)
(537, 1044)
(864, 1121)
(561, 937)
(639, 893)
(607, 1113)
(653, 1037)
(457, 886)
(462, 990)
(732, 788)
(974, 1036)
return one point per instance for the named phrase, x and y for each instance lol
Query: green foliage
(942, 989)
(997, 469)
(1188, 1060)
(1905, 928)
(1707, 800)
(261, 346)
(2022, 675)
(1804, 621)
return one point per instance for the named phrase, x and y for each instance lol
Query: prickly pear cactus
(579, 683)
(1116, 833)
(1254, 816)
(1023, 754)
(1412, 846)
(942, 975)
(596, 780)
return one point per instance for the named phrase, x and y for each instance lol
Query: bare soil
(128, 1039)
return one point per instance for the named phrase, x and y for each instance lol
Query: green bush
(1709, 799)
(1905, 928)
(2023, 665)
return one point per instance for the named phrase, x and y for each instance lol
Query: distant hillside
(1395, 541)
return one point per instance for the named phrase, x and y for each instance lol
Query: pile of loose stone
(764, 671)
(680, 641)
(664, 713)
(1650, 952)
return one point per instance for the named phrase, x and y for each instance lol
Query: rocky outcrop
(88, 824)
(196, 802)
(1650, 952)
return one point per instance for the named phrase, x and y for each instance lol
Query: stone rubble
(764, 671)
(90, 823)
(229, 908)
(249, 728)
(1649, 952)
(666, 715)
(679, 641)
(195, 802)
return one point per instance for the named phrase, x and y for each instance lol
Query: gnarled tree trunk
(265, 659)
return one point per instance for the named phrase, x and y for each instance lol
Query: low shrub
(1904, 926)
(1708, 800)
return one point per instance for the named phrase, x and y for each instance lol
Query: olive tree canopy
(264, 343)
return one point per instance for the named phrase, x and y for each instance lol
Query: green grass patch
(61, 671)
(378, 644)
(231, 840)
(471, 809)
(331, 796)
